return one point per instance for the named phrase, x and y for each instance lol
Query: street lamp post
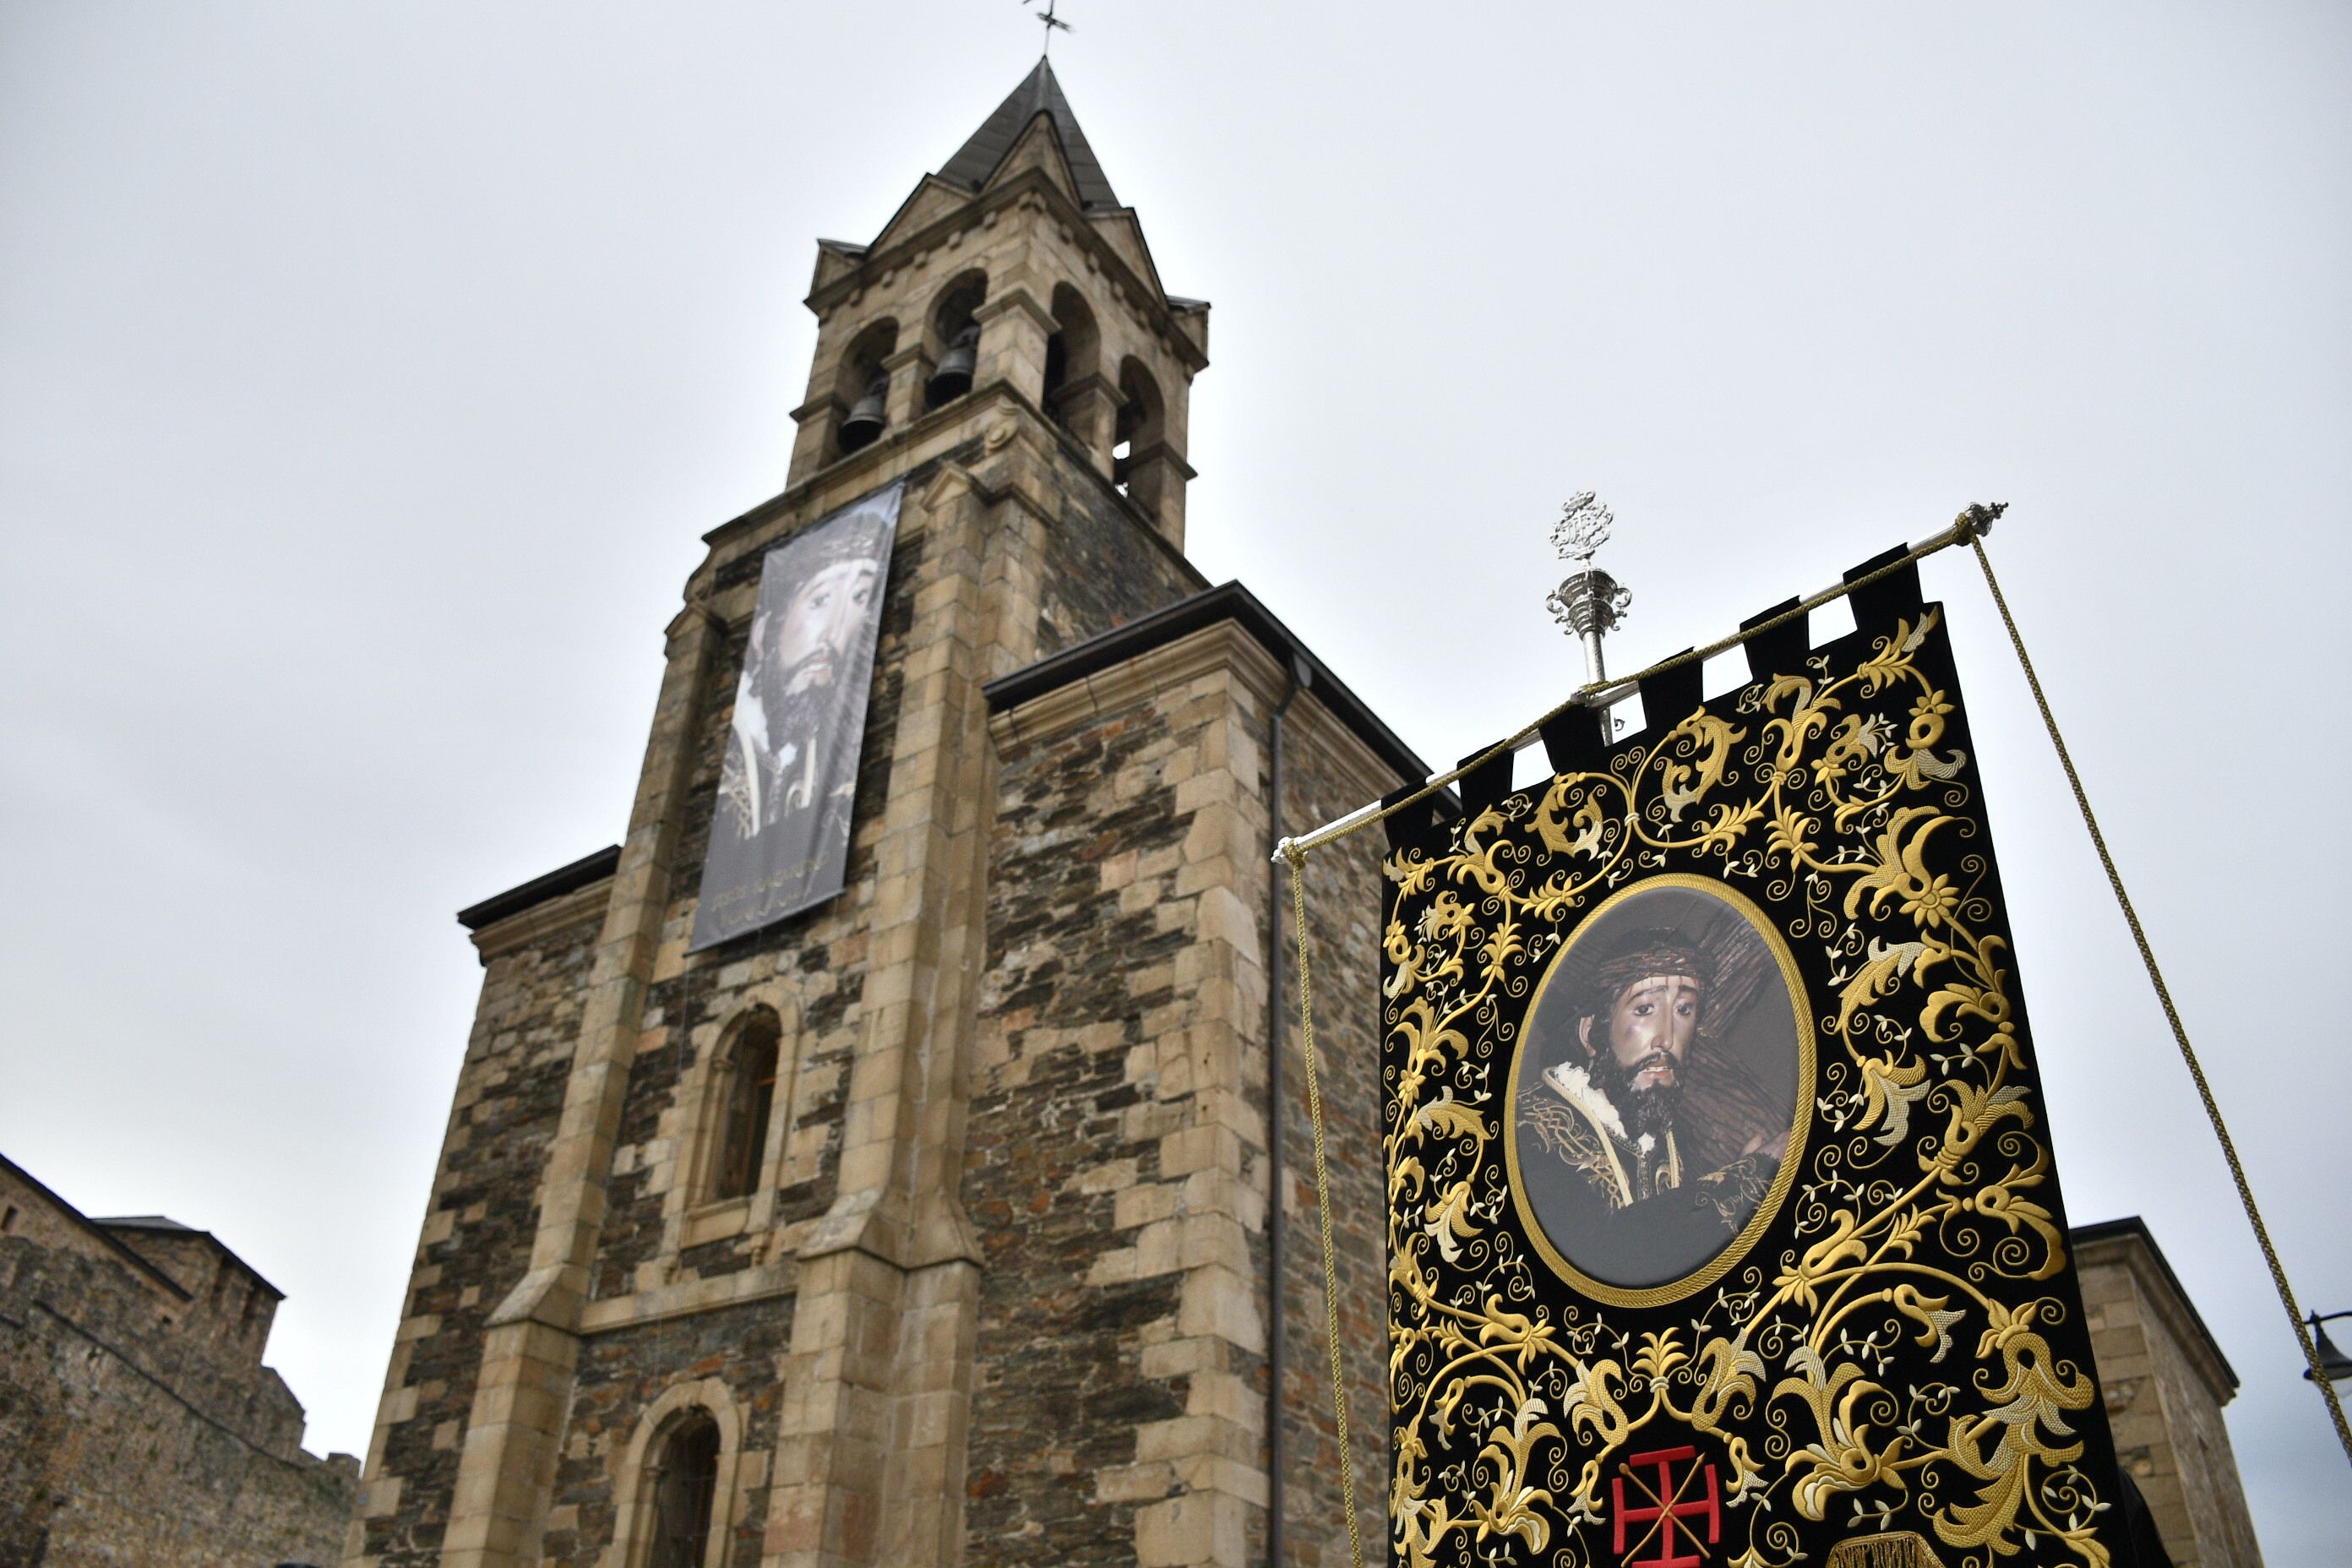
(2334, 1361)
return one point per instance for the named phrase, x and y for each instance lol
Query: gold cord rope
(1323, 1209)
(2172, 1015)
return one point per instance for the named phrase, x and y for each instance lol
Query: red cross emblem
(1671, 1504)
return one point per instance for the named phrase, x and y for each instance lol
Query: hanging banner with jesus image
(1724, 1228)
(780, 827)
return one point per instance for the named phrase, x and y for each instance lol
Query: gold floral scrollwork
(1901, 1347)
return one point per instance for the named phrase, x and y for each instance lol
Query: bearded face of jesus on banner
(788, 782)
(802, 653)
(787, 705)
(1658, 1103)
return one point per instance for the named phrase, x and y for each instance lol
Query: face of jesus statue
(821, 621)
(1650, 1030)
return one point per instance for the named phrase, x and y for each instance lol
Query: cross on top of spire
(1053, 24)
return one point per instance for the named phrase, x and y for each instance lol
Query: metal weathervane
(1589, 603)
(1053, 24)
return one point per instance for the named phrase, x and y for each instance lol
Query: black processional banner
(1723, 1223)
(780, 835)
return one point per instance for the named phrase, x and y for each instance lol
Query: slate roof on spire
(1038, 93)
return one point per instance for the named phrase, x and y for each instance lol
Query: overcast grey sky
(368, 372)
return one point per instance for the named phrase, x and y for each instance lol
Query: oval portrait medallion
(1657, 1103)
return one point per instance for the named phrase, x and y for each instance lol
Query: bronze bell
(867, 414)
(953, 376)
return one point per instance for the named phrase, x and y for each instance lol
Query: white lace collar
(1575, 1085)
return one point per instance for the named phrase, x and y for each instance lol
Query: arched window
(677, 1491)
(747, 1096)
(1140, 418)
(685, 1485)
(1071, 355)
(955, 339)
(863, 387)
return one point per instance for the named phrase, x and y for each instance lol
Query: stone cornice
(1013, 297)
(1223, 646)
(2127, 1242)
(595, 868)
(1220, 646)
(1161, 452)
(760, 1283)
(907, 450)
(581, 906)
(1089, 662)
(823, 403)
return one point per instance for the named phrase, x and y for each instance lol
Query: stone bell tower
(1014, 266)
(931, 1224)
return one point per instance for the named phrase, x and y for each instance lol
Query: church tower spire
(1013, 270)
(1040, 92)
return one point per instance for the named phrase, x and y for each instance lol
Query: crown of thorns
(815, 553)
(1640, 956)
(821, 554)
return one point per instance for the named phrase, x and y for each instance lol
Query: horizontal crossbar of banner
(1971, 525)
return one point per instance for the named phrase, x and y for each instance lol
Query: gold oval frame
(1738, 1246)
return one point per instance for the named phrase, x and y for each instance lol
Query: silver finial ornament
(1589, 603)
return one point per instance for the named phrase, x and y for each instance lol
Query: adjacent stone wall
(2164, 1385)
(230, 1307)
(33, 1211)
(479, 1221)
(121, 1443)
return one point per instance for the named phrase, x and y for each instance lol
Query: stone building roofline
(2130, 1234)
(581, 873)
(97, 1228)
(148, 1222)
(1039, 93)
(1226, 601)
(162, 1224)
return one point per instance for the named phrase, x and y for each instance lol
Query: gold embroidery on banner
(1832, 794)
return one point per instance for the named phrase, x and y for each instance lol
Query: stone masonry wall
(814, 966)
(478, 1231)
(621, 1374)
(1101, 567)
(230, 1307)
(120, 1445)
(1104, 569)
(31, 1211)
(1064, 1153)
(1115, 1159)
(665, 1252)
